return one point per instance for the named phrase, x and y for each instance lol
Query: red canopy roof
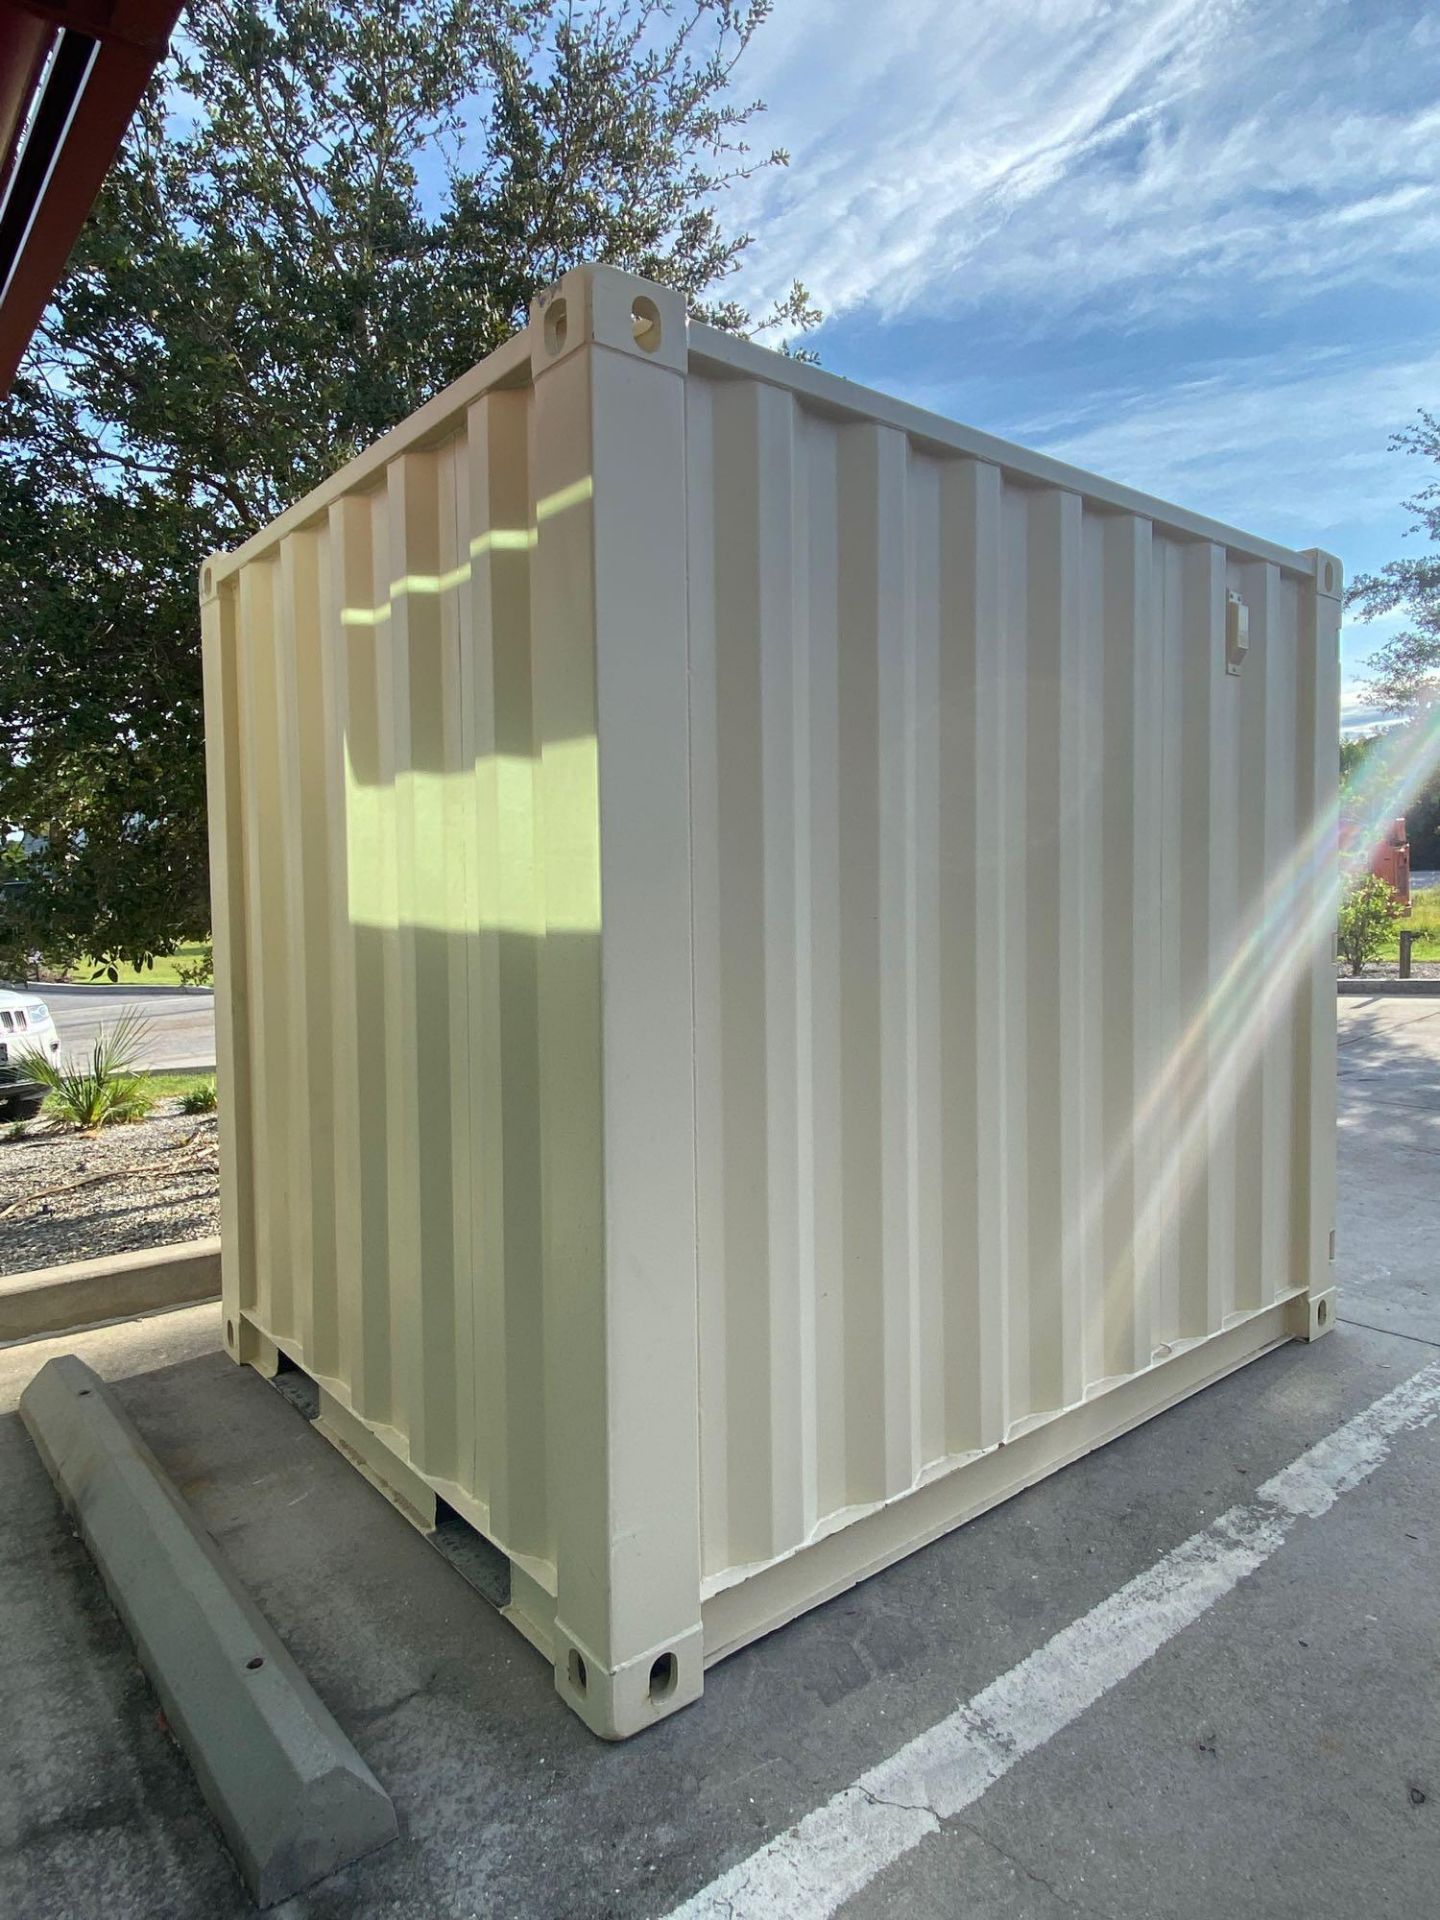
(70, 78)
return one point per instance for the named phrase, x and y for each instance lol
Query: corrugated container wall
(774, 970)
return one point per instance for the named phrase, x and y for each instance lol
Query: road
(179, 1021)
(1193, 1674)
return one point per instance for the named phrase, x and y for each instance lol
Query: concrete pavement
(1278, 1755)
(180, 1021)
(1390, 1155)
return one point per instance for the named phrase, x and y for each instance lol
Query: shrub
(201, 1099)
(1367, 913)
(107, 1090)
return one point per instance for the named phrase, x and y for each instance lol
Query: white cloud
(1130, 159)
(1204, 236)
(1305, 433)
(1356, 718)
(1358, 640)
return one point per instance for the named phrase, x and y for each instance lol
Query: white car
(25, 1027)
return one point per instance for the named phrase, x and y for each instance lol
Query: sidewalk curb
(82, 1293)
(1369, 988)
(293, 1797)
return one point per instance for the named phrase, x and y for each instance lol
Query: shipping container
(774, 971)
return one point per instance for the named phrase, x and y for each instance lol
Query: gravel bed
(166, 1187)
(1420, 970)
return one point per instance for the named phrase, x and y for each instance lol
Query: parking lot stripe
(814, 1867)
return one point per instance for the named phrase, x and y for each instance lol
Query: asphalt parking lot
(179, 1022)
(1094, 1713)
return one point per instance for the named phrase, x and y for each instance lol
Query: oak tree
(325, 211)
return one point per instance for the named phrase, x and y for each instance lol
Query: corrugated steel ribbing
(763, 952)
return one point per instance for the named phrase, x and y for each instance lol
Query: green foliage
(201, 1098)
(190, 965)
(107, 1090)
(1353, 753)
(197, 967)
(179, 1086)
(1405, 672)
(324, 212)
(1377, 776)
(1423, 921)
(1368, 911)
(1422, 825)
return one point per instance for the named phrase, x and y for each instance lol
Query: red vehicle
(1389, 858)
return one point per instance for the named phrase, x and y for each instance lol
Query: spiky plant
(106, 1090)
(200, 1099)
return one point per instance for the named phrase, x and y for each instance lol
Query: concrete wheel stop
(292, 1796)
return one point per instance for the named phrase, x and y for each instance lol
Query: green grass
(160, 1086)
(1424, 917)
(164, 973)
(99, 1089)
(175, 1086)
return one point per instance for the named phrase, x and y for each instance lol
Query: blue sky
(1192, 244)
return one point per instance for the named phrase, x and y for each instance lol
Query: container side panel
(1194, 608)
(399, 546)
(1024, 916)
(1134, 630)
(870, 599)
(267, 957)
(294, 1255)
(993, 1076)
(226, 813)
(1078, 976)
(1050, 557)
(453, 935)
(976, 877)
(480, 1227)
(337, 1007)
(825, 1026)
(921, 1172)
(418, 998)
(305, 583)
(1279, 916)
(904, 496)
(1129, 901)
(766, 950)
(1264, 972)
(386, 717)
(388, 977)
(1254, 1063)
(814, 1222)
(789, 1332)
(745, 1141)
(572, 1119)
(865, 1360)
(1164, 1102)
(714, 1318)
(362, 907)
(642, 699)
(1318, 682)
(509, 1471)
(1234, 982)
(751, 769)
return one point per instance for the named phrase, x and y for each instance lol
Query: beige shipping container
(774, 971)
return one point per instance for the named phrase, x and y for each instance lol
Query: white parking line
(813, 1868)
